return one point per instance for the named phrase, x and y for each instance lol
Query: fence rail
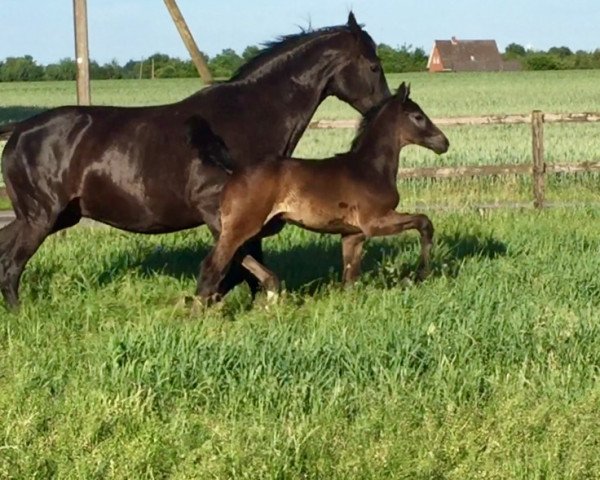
(538, 168)
(505, 169)
(513, 119)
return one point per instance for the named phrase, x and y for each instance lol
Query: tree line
(405, 58)
(555, 58)
(159, 65)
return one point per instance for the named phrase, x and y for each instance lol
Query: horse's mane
(277, 51)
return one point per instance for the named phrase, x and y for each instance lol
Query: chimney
(454, 41)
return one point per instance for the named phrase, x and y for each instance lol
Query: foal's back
(325, 195)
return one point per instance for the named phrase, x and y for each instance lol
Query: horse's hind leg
(19, 240)
(70, 216)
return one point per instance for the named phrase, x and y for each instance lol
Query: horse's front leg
(393, 223)
(352, 247)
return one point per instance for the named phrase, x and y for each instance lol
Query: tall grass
(489, 369)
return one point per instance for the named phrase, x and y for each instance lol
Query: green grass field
(439, 95)
(489, 369)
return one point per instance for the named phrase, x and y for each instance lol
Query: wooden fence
(538, 168)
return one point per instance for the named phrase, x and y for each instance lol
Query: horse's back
(128, 167)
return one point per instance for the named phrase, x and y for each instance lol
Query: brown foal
(353, 194)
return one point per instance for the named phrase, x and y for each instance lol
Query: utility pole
(189, 42)
(81, 52)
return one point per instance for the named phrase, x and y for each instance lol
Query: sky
(134, 29)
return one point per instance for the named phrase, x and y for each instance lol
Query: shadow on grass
(18, 113)
(308, 267)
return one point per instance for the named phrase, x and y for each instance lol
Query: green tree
(404, 59)
(560, 51)
(514, 50)
(250, 52)
(225, 63)
(18, 69)
(65, 69)
(542, 61)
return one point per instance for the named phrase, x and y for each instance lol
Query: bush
(19, 69)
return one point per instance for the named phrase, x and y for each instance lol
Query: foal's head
(413, 126)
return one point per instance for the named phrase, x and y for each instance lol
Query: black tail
(210, 146)
(6, 130)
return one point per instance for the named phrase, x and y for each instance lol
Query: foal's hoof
(272, 297)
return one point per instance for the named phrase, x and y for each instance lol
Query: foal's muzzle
(439, 144)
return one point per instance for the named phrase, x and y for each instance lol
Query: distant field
(439, 95)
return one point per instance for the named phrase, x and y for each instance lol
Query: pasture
(488, 369)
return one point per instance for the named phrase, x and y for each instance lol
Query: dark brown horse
(353, 194)
(134, 169)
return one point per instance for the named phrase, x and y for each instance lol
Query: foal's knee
(425, 226)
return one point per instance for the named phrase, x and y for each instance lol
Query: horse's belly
(136, 210)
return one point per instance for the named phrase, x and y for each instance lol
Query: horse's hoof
(422, 274)
(197, 305)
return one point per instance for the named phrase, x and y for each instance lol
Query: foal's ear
(352, 23)
(403, 92)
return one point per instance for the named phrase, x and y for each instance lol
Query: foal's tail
(6, 130)
(210, 146)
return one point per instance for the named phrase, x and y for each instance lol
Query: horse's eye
(419, 118)
(375, 68)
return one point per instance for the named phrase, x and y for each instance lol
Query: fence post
(82, 52)
(539, 167)
(189, 42)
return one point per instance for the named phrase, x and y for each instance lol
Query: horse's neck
(299, 93)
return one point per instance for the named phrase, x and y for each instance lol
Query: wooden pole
(539, 167)
(189, 42)
(81, 52)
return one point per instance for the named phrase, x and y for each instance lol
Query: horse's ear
(403, 92)
(352, 23)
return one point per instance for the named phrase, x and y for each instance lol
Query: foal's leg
(236, 274)
(394, 222)
(267, 278)
(352, 246)
(216, 264)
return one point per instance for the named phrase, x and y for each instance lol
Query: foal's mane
(279, 51)
(367, 119)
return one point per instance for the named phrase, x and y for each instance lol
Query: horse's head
(415, 127)
(360, 81)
